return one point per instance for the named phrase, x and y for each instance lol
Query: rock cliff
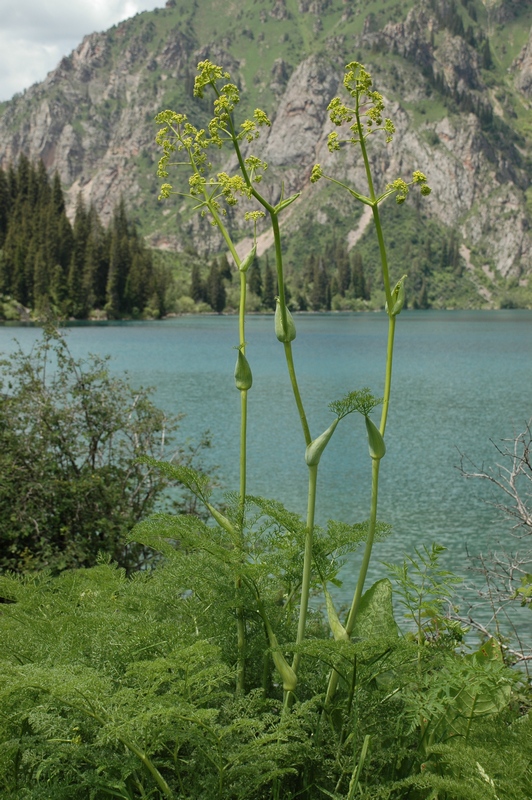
(91, 119)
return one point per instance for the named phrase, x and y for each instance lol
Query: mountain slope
(457, 79)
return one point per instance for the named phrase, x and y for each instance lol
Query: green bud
(286, 672)
(248, 260)
(222, 520)
(243, 376)
(377, 448)
(290, 334)
(317, 446)
(398, 297)
(338, 630)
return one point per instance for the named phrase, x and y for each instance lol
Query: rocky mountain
(457, 82)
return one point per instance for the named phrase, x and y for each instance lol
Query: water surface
(460, 379)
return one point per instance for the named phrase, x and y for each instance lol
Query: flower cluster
(367, 111)
(401, 188)
(178, 135)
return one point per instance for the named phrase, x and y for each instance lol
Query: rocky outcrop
(457, 63)
(280, 73)
(313, 6)
(298, 124)
(279, 10)
(92, 121)
(409, 39)
(523, 69)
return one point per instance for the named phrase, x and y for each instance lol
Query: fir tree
(197, 286)
(96, 263)
(255, 278)
(360, 289)
(343, 270)
(268, 293)
(216, 289)
(4, 206)
(225, 268)
(486, 59)
(75, 269)
(320, 294)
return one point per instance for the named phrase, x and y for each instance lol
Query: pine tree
(423, 297)
(41, 282)
(486, 59)
(225, 268)
(343, 270)
(96, 264)
(119, 262)
(139, 283)
(197, 286)
(360, 288)
(255, 278)
(444, 259)
(320, 294)
(216, 289)
(268, 293)
(116, 276)
(58, 201)
(4, 206)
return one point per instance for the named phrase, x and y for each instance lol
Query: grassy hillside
(150, 61)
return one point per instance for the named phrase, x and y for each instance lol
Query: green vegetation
(210, 674)
(262, 43)
(74, 270)
(70, 438)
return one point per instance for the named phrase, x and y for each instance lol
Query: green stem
(384, 258)
(279, 267)
(313, 471)
(350, 624)
(388, 377)
(369, 546)
(311, 502)
(295, 390)
(240, 621)
(375, 209)
(244, 396)
(141, 755)
(307, 562)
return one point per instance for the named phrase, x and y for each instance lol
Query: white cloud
(36, 34)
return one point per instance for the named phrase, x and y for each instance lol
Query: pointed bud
(338, 630)
(283, 335)
(317, 446)
(248, 260)
(377, 448)
(398, 297)
(243, 376)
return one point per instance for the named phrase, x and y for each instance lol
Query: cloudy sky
(36, 34)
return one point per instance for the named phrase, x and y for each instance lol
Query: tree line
(315, 285)
(74, 269)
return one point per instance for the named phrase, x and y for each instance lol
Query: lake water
(460, 379)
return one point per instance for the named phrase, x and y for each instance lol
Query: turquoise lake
(461, 378)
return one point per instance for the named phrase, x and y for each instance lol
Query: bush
(70, 437)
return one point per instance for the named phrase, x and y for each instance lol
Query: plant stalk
(307, 562)
(351, 619)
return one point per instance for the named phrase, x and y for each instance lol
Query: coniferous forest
(79, 269)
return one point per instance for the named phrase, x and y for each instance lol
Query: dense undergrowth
(116, 687)
(210, 675)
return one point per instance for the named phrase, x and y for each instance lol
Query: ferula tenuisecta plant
(357, 117)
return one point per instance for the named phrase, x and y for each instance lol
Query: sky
(36, 34)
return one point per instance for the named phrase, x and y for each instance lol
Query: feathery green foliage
(215, 675)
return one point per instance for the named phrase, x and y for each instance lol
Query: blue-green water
(460, 379)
